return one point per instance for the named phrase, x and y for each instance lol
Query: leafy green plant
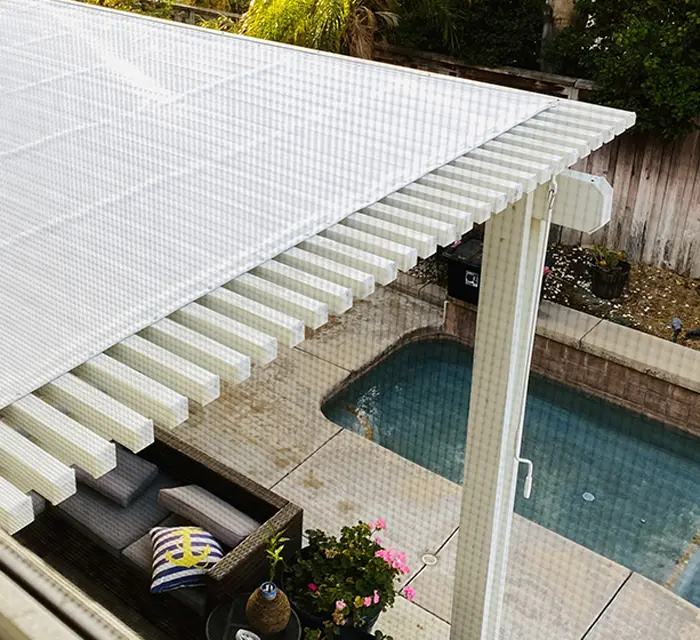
(222, 23)
(314, 634)
(345, 580)
(340, 26)
(157, 8)
(643, 54)
(608, 259)
(274, 547)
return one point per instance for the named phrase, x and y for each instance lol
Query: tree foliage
(643, 54)
(341, 26)
(485, 32)
(157, 8)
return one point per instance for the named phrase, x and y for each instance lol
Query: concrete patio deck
(271, 428)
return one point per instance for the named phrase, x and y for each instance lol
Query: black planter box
(609, 285)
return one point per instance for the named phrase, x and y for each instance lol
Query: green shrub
(643, 54)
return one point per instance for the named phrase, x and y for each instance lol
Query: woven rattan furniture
(103, 576)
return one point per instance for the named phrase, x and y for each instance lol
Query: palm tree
(340, 26)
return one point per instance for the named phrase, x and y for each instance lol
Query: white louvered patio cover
(143, 164)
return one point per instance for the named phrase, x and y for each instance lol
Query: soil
(652, 298)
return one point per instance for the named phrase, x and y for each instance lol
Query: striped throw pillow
(181, 557)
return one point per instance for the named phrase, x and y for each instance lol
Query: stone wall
(643, 389)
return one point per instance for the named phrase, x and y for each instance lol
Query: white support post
(513, 262)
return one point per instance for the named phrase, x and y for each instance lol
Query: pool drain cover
(429, 559)
(588, 497)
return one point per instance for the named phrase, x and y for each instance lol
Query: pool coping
(648, 375)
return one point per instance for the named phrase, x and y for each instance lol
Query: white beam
(462, 220)
(168, 368)
(64, 438)
(313, 313)
(486, 180)
(598, 112)
(498, 155)
(583, 202)
(30, 468)
(536, 142)
(587, 139)
(209, 354)
(497, 200)
(608, 130)
(257, 345)
(383, 270)
(287, 330)
(424, 244)
(143, 394)
(444, 232)
(359, 282)
(514, 250)
(552, 162)
(478, 210)
(100, 412)
(405, 257)
(526, 180)
(16, 510)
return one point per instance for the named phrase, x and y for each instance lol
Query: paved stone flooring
(271, 428)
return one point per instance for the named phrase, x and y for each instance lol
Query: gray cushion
(226, 523)
(38, 503)
(109, 525)
(126, 482)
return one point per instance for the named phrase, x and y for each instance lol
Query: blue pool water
(645, 478)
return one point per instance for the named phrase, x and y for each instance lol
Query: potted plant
(610, 272)
(268, 609)
(340, 585)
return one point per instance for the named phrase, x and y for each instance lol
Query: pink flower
(409, 593)
(368, 601)
(380, 524)
(339, 605)
(378, 541)
(312, 586)
(376, 597)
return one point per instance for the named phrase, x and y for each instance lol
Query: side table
(226, 619)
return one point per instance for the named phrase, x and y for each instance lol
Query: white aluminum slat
(498, 200)
(177, 373)
(98, 411)
(580, 124)
(209, 354)
(502, 158)
(338, 298)
(405, 257)
(61, 436)
(512, 188)
(383, 269)
(479, 210)
(313, 313)
(16, 510)
(552, 162)
(546, 138)
(444, 232)
(589, 139)
(570, 153)
(461, 219)
(30, 468)
(359, 282)
(143, 394)
(424, 244)
(287, 330)
(258, 346)
(525, 180)
(601, 113)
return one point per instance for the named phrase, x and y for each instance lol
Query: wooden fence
(656, 211)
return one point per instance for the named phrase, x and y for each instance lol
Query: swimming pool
(644, 479)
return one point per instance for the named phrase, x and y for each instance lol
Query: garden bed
(652, 298)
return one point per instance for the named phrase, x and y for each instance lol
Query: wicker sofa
(61, 539)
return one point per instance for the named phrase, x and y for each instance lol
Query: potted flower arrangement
(610, 272)
(340, 585)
